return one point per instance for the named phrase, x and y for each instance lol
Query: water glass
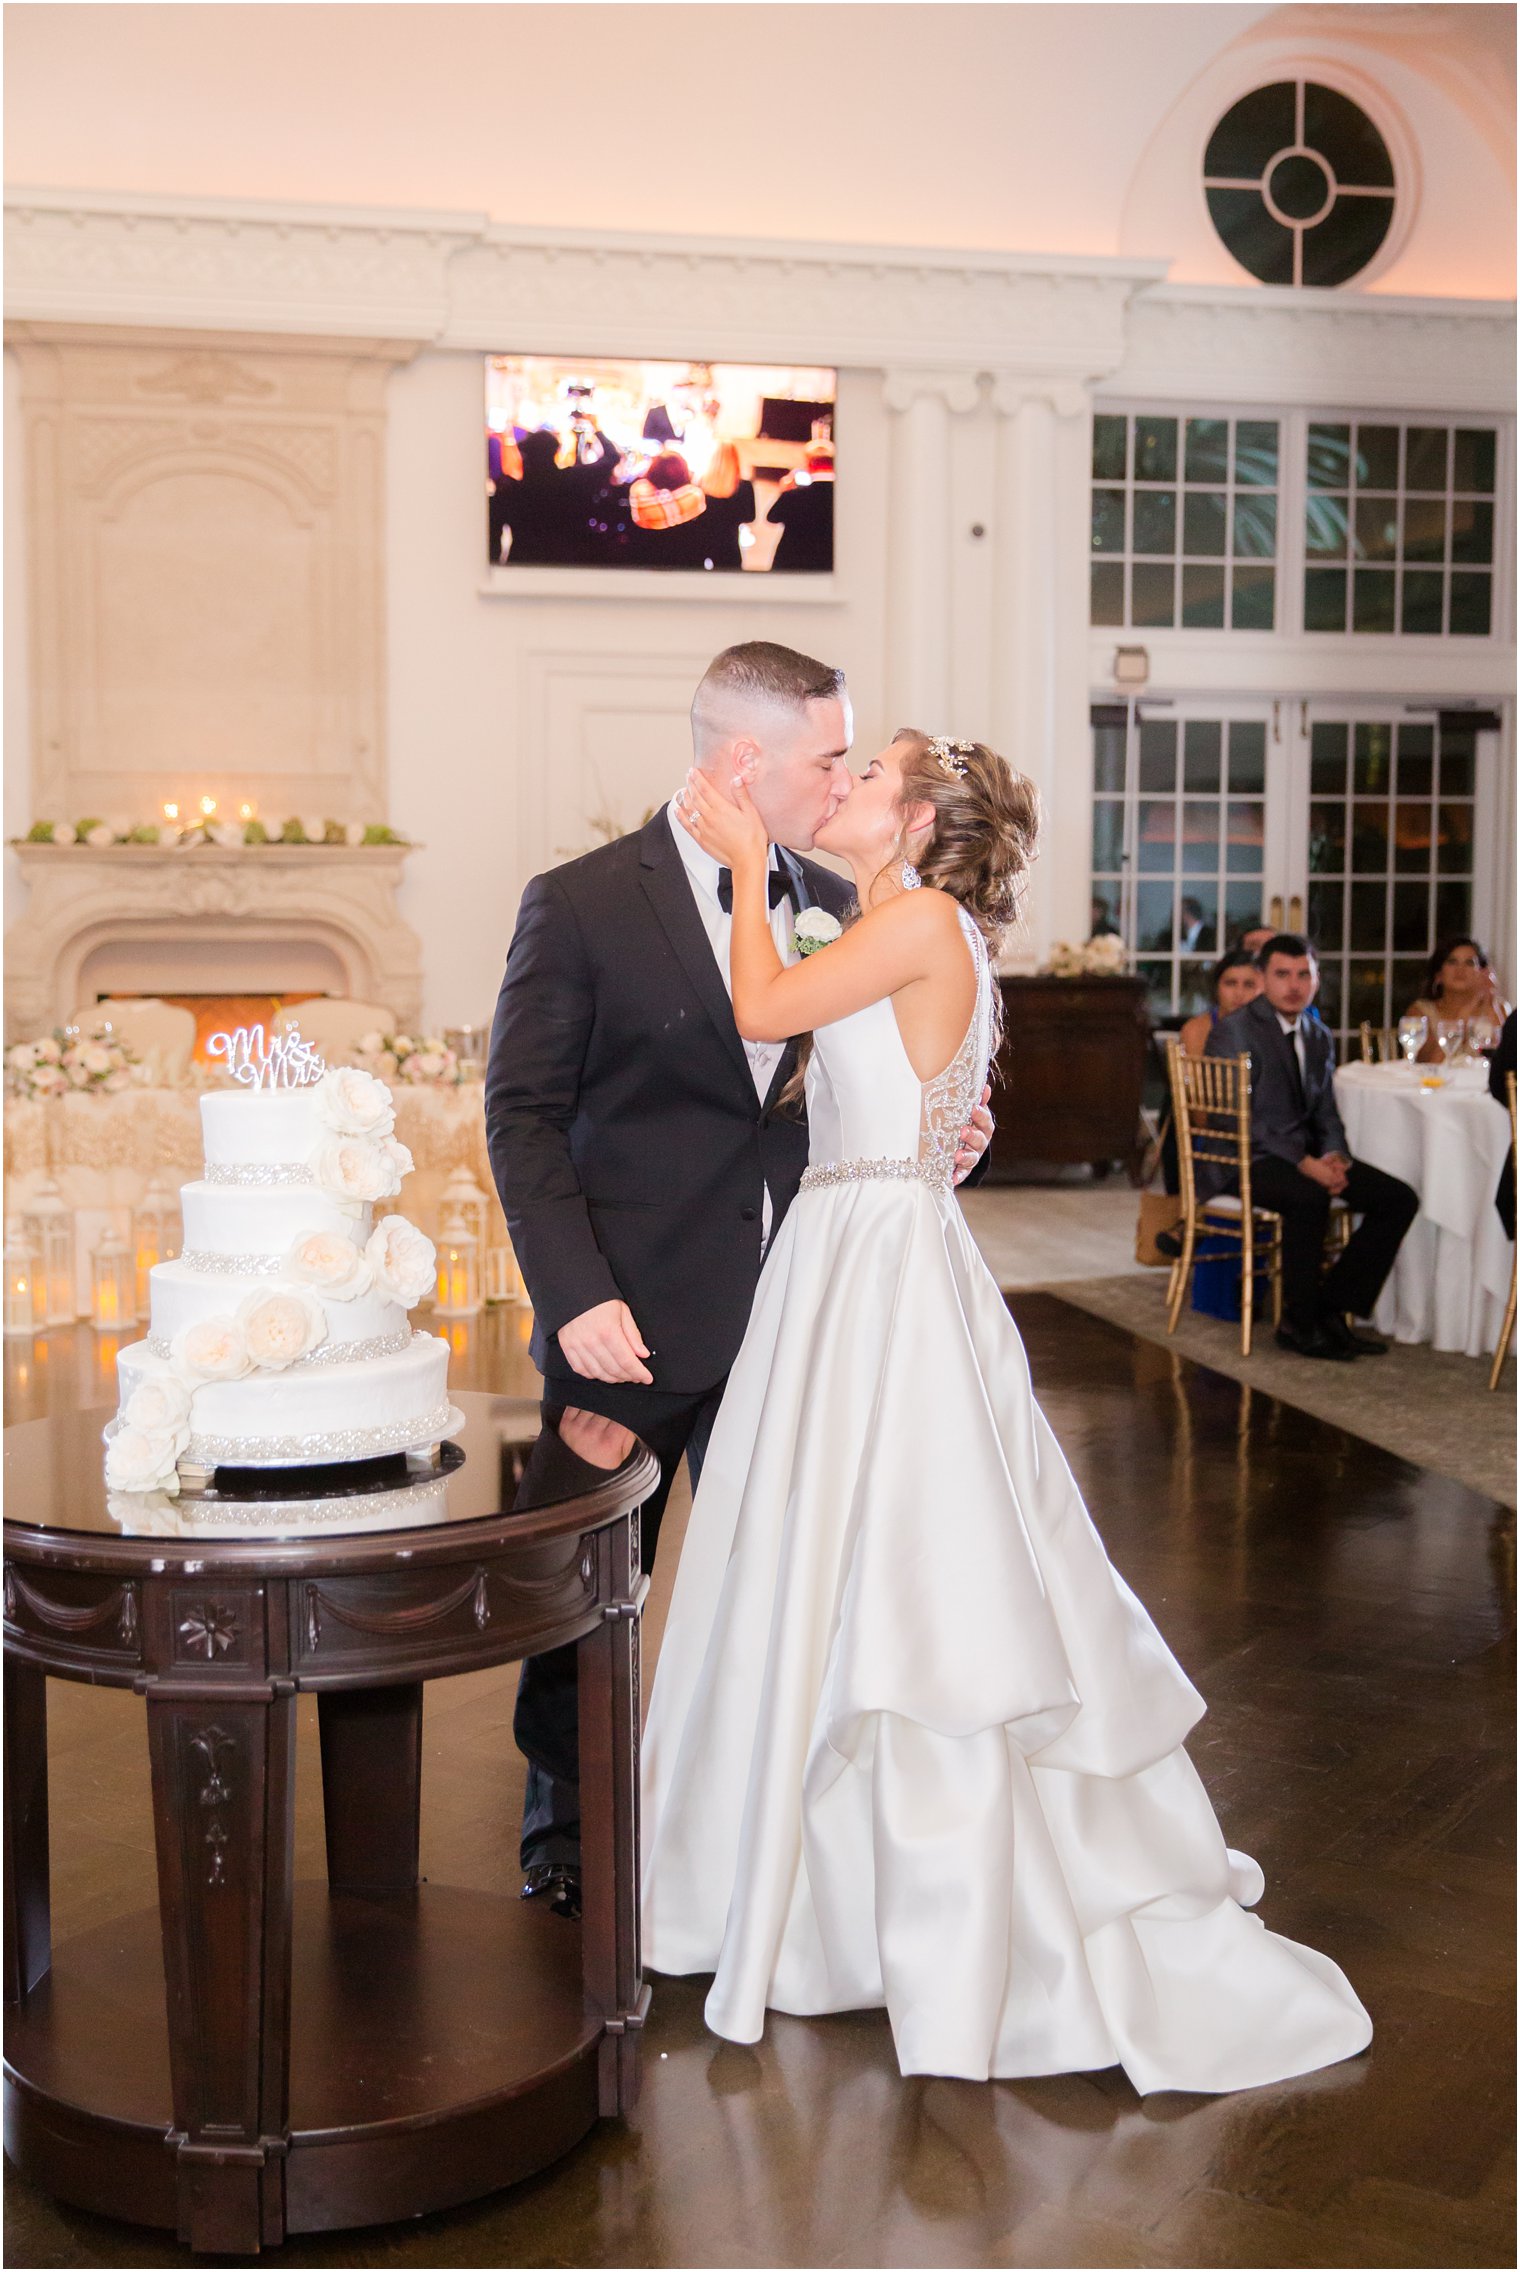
(1482, 1034)
(1450, 1033)
(1413, 1035)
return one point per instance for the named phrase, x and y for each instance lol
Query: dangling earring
(909, 876)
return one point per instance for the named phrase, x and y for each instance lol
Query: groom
(641, 1149)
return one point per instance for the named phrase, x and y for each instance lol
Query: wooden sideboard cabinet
(1067, 1083)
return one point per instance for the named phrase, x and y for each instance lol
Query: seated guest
(1300, 1160)
(730, 507)
(1459, 983)
(1501, 1063)
(1234, 981)
(1251, 942)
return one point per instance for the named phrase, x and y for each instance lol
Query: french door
(1360, 823)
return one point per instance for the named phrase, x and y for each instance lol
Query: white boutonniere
(815, 928)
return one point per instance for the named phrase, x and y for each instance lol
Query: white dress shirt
(702, 874)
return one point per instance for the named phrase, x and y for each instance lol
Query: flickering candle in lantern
(20, 1299)
(113, 1284)
(171, 812)
(458, 1270)
(155, 1235)
(47, 1225)
(248, 811)
(208, 807)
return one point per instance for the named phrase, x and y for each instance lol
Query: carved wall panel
(206, 570)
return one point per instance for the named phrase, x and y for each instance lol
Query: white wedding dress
(912, 1740)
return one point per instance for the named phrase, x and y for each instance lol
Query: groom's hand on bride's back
(975, 1139)
(604, 1344)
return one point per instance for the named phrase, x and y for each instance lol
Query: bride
(912, 1740)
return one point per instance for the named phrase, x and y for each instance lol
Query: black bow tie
(780, 883)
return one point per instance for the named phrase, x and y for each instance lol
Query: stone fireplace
(267, 919)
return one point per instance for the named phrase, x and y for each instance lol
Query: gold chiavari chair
(1211, 1110)
(1380, 1044)
(1508, 1327)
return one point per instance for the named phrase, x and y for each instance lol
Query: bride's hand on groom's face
(726, 825)
(975, 1139)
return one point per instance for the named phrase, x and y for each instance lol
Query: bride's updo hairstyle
(986, 826)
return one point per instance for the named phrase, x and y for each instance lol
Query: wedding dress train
(912, 1740)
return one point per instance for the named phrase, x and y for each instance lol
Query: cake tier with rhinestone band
(280, 1337)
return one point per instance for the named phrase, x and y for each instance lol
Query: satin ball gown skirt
(912, 1740)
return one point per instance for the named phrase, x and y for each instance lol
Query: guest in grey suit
(1300, 1160)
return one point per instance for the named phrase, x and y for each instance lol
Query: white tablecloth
(1451, 1280)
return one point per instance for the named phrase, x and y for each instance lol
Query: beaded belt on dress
(933, 1172)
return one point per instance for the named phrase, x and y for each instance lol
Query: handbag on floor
(1159, 1210)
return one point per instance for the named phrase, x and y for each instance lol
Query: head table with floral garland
(103, 1146)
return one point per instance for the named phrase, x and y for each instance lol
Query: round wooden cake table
(255, 2057)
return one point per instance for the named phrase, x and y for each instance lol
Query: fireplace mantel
(147, 918)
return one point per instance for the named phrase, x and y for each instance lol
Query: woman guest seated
(1234, 982)
(1459, 983)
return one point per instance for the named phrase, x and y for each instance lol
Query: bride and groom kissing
(912, 1742)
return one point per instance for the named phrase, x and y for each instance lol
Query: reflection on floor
(1348, 1619)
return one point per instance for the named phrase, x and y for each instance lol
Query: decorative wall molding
(341, 901)
(206, 569)
(1265, 344)
(456, 280)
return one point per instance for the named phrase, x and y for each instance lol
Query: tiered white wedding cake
(279, 1338)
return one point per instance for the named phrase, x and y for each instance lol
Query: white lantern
(503, 1280)
(20, 1287)
(458, 1270)
(113, 1284)
(155, 1234)
(47, 1226)
(462, 1196)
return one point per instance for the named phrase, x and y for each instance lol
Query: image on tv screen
(714, 468)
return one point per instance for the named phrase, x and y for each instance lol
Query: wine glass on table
(1450, 1033)
(1413, 1035)
(1482, 1034)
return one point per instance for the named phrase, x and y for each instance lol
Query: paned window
(1184, 521)
(1299, 184)
(1179, 834)
(1391, 843)
(1399, 528)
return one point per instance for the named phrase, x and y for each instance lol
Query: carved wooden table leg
(28, 1923)
(608, 1665)
(372, 1786)
(223, 1765)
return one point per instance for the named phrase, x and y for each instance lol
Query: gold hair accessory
(950, 756)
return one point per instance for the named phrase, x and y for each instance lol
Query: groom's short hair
(759, 672)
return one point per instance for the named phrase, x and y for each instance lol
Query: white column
(1039, 643)
(920, 590)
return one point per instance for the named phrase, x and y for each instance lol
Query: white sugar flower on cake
(159, 1403)
(330, 1262)
(143, 1459)
(357, 1170)
(401, 1259)
(352, 1103)
(282, 1324)
(213, 1349)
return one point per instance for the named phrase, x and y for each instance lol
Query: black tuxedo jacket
(1281, 1124)
(628, 1144)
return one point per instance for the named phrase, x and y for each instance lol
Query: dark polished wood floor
(1348, 1618)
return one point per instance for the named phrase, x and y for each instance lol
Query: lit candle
(208, 807)
(247, 811)
(171, 812)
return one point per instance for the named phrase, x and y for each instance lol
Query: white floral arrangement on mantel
(67, 1062)
(1103, 957)
(358, 1160)
(426, 1062)
(100, 835)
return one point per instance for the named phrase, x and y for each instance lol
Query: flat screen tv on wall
(689, 468)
